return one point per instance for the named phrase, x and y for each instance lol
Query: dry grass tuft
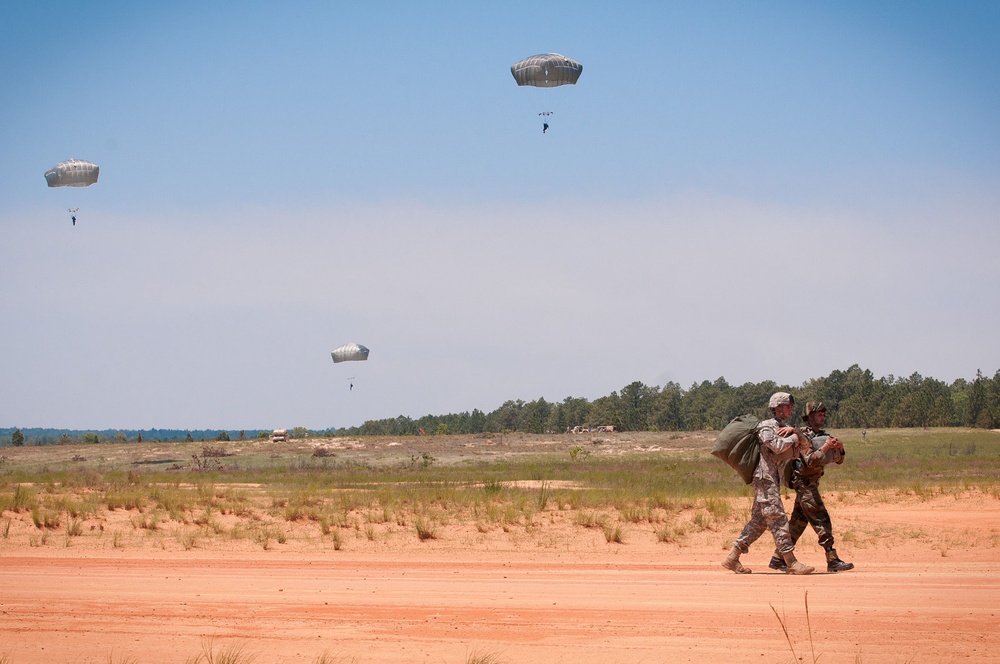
(613, 534)
(327, 658)
(232, 654)
(424, 530)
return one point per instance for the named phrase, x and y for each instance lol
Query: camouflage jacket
(774, 450)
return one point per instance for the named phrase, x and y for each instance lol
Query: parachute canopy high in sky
(350, 353)
(546, 71)
(73, 173)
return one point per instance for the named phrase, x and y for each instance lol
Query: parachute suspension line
(545, 120)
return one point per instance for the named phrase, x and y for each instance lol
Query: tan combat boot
(732, 562)
(793, 566)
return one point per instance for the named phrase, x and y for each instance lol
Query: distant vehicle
(279, 436)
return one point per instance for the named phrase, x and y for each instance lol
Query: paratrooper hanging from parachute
(350, 353)
(548, 70)
(73, 173)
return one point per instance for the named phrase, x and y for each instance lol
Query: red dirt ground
(926, 589)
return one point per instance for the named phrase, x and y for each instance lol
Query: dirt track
(924, 598)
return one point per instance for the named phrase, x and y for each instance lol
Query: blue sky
(280, 179)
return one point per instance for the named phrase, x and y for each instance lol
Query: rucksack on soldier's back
(738, 445)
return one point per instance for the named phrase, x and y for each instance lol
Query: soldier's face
(783, 411)
(818, 419)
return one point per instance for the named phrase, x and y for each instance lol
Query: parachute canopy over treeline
(546, 71)
(350, 353)
(73, 173)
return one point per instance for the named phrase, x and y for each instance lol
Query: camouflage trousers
(767, 513)
(810, 511)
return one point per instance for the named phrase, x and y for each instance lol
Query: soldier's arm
(839, 458)
(778, 443)
(818, 459)
(815, 459)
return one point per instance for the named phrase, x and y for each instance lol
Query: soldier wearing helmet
(779, 442)
(803, 475)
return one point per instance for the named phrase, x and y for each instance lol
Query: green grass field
(420, 482)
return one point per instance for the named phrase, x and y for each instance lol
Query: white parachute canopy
(546, 71)
(73, 173)
(350, 353)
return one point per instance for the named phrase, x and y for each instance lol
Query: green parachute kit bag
(739, 446)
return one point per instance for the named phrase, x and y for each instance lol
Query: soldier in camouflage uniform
(803, 475)
(778, 443)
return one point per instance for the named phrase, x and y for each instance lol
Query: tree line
(854, 399)
(49, 436)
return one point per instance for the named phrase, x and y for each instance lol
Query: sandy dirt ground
(926, 589)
